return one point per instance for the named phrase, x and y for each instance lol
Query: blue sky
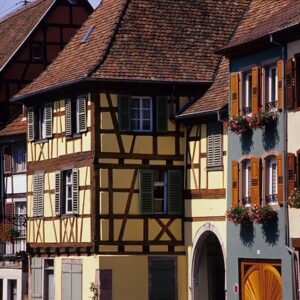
(7, 6)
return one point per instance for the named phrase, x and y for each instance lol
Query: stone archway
(208, 265)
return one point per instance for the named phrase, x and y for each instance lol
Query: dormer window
(37, 52)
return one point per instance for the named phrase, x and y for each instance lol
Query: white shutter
(210, 145)
(35, 195)
(57, 193)
(75, 192)
(68, 117)
(81, 113)
(40, 194)
(36, 277)
(31, 123)
(48, 119)
(214, 145)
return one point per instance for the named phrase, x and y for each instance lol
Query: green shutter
(124, 113)
(48, 119)
(57, 193)
(81, 113)
(36, 278)
(146, 191)
(68, 117)
(162, 115)
(31, 123)
(75, 194)
(175, 192)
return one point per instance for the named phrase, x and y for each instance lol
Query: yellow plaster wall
(205, 207)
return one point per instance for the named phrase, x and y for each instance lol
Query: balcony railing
(246, 201)
(271, 106)
(271, 199)
(247, 110)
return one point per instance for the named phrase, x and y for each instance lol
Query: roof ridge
(21, 9)
(110, 37)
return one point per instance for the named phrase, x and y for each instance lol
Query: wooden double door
(261, 281)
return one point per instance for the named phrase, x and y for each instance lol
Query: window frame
(140, 109)
(268, 85)
(246, 182)
(20, 147)
(271, 181)
(164, 184)
(247, 92)
(68, 184)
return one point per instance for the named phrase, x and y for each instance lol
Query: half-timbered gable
(139, 72)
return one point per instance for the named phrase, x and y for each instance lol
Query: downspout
(291, 251)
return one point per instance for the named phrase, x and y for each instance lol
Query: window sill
(74, 136)
(217, 168)
(161, 215)
(46, 140)
(66, 216)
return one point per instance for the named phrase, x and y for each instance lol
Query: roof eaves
(18, 48)
(199, 114)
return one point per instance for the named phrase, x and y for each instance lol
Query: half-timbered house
(106, 157)
(31, 37)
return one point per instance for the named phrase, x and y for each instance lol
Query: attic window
(88, 33)
(37, 52)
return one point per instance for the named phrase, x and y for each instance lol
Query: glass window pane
(135, 124)
(146, 114)
(135, 103)
(146, 125)
(146, 103)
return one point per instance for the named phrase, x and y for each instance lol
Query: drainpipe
(292, 252)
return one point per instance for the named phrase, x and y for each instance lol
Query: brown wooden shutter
(289, 83)
(255, 90)
(7, 159)
(291, 172)
(255, 180)
(279, 180)
(9, 212)
(280, 83)
(235, 183)
(297, 79)
(234, 95)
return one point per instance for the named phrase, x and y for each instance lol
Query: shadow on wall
(247, 235)
(270, 135)
(246, 141)
(270, 231)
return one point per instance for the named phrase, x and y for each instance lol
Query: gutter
(201, 114)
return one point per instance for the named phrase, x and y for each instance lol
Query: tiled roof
(15, 27)
(162, 40)
(16, 126)
(265, 17)
(216, 97)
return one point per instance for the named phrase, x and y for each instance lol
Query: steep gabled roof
(16, 126)
(263, 18)
(215, 98)
(161, 40)
(16, 27)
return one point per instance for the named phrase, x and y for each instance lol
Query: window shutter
(255, 180)
(31, 123)
(234, 95)
(7, 159)
(124, 113)
(57, 193)
(214, 145)
(40, 194)
(67, 281)
(162, 115)
(81, 111)
(255, 90)
(48, 119)
(9, 212)
(291, 172)
(36, 268)
(289, 83)
(75, 192)
(68, 108)
(280, 83)
(235, 183)
(146, 191)
(297, 79)
(35, 195)
(174, 192)
(279, 180)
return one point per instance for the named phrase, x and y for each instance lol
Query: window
(20, 208)
(246, 180)
(76, 121)
(66, 192)
(247, 93)
(271, 181)
(72, 279)
(160, 191)
(40, 122)
(37, 52)
(271, 87)
(14, 158)
(38, 194)
(104, 282)
(142, 114)
(214, 145)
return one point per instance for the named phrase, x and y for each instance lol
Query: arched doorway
(208, 274)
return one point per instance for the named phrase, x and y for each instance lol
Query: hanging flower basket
(241, 124)
(239, 216)
(267, 117)
(263, 214)
(294, 199)
(8, 233)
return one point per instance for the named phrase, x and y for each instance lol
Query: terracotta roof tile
(14, 127)
(216, 97)
(15, 27)
(146, 40)
(265, 17)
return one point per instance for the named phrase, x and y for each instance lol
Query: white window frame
(17, 153)
(140, 113)
(270, 104)
(68, 184)
(246, 180)
(271, 180)
(247, 93)
(163, 183)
